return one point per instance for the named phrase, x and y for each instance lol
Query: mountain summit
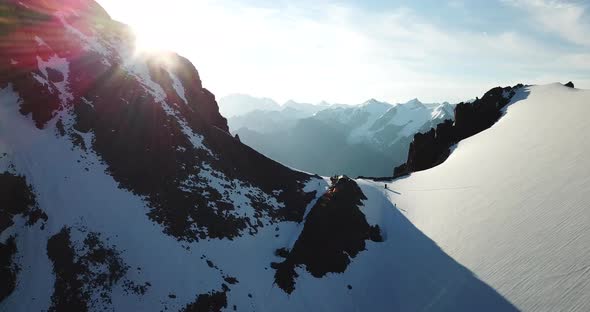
(118, 167)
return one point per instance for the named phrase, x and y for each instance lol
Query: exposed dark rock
(8, 269)
(334, 232)
(19, 24)
(212, 302)
(375, 234)
(35, 215)
(282, 252)
(198, 97)
(132, 287)
(68, 293)
(17, 198)
(85, 117)
(78, 141)
(569, 84)
(59, 126)
(230, 280)
(433, 147)
(80, 273)
(54, 75)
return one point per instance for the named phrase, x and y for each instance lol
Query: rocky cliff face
(16, 199)
(334, 233)
(109, 158)
(433, 147)
(148, 118)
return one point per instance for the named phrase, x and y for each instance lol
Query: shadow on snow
(420, 275)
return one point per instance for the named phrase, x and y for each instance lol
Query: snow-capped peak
(370, 102)
(374, 102)
(413, 103)
(374, 106)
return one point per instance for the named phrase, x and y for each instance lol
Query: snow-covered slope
(511, 203)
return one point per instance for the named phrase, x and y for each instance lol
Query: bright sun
(156, 29)
(173, 27)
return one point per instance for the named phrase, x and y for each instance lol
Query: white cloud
(567, 19)
(344, 54)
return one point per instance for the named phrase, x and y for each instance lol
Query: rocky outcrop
(433, 147)
(335, 231)
(212, 302)
(569, 84)
(147, 117)
(8, 269)
(84, 276)
(16, 199)
(200, 100)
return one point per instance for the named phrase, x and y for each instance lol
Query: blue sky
(349, 51)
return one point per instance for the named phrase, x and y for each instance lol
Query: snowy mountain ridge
(122, 189)
(511, 202)
(122, 165)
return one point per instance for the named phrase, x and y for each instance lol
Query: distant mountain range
(240, 104)
(364, 139)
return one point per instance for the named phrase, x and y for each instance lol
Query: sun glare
(150, 45)
(155, 31)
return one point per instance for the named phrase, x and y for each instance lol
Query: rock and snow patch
(85, 271)
(56, 71)
(178, 87)
(334, 232)
(90, 43)
(195, 139)
(511, 203)
(40, 41)
(243, 196)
